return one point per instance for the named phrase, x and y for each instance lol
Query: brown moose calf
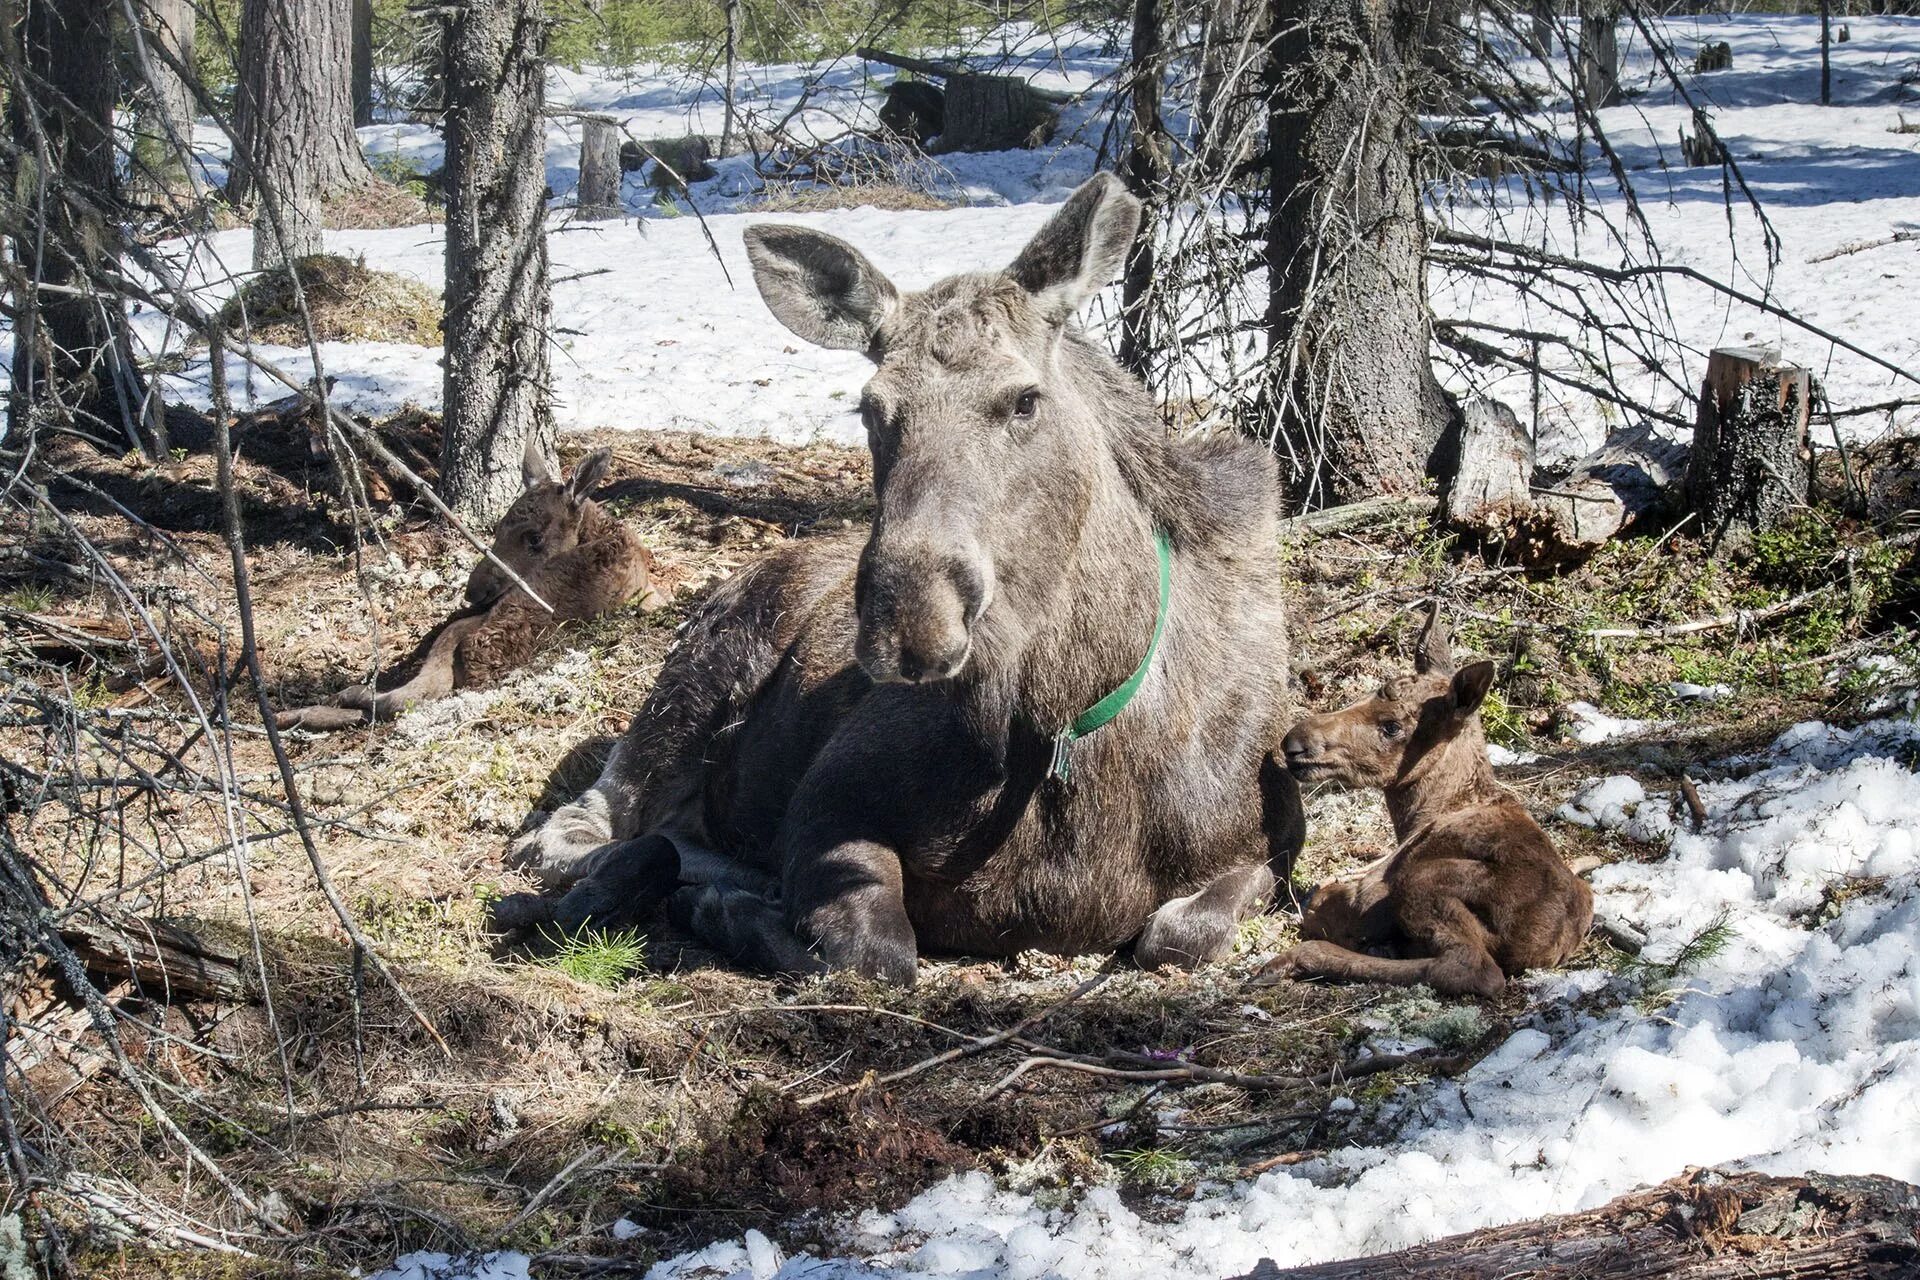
(579, 559)
(1475, 893)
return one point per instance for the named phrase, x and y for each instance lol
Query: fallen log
(1702, 1225)
(164, 962)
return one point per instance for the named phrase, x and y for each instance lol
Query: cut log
(995, 113)
(1751, 463)
(598, 195)
(1699, 1226)
(164, 962)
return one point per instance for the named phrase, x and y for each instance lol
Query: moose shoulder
(865, 748)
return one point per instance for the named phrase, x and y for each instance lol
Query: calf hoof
(522, 911)
(1292, 964)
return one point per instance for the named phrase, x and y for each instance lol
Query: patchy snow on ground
(653, 330)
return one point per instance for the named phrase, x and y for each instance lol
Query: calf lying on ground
(1475, 893)
(579, 559)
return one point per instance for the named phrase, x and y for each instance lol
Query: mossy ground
(681, 1082)
(347, 301)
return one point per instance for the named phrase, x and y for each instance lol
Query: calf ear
(588, 475)
(536, 465)
(1470, 687)
(820, 286)
(1081, 248)
(1433, 650)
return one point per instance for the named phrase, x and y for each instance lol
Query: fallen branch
(1355, 514)
(1861, 246)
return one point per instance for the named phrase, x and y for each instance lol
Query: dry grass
(679, 1080)
(347, 300)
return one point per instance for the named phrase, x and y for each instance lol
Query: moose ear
(536, 465)
(1081, 248)
(1433, 649)
(588, 475)
(1470, 687)
(820, 286)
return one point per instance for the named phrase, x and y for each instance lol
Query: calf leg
(561, 851)
(1199, 928)
(1460, 971)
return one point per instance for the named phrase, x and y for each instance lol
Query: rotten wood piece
(1751, 462)
(164, 962)
(1555, 518)
(984, 112)
(1702, 1225)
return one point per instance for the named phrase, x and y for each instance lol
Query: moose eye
(1026, 403)
(533, 540)
(1391, 729)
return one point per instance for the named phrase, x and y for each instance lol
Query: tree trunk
(994, 113)
(732, 53)
(497, 293)
(1749, 465)
(362, 63)
(1149, 154)
(71, 351)
(1543, 13)
(293, 117)
(598, 195)
(1232, 63)
(1352, 393)
(1703, 1226)
(164, 122)
(1600, 52)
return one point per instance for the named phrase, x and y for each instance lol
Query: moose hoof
(557, 854)
(522, 911)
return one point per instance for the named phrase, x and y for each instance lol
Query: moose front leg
(845, 900)
(1199, 928)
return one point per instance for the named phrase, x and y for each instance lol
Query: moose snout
(917, 612)
(1297, 747)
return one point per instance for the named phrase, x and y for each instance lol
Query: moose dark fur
(845, 761)
(578, 559)
(1475, 893)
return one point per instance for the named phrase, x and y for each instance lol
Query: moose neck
(1451, 776)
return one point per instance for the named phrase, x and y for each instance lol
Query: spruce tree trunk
(1355, 402)
(497, 294)
(293, 114)
(362, 62)
(71, 357)
(1600, 52)
(167, 109)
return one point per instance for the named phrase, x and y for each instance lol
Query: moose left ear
(536, 465)
(588, 475)
(1470, 686)
(1433, 649)
(1081, 248)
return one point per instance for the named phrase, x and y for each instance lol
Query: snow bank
(1795, 1047)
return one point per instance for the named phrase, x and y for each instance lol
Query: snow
(652, 330)
(1589, 726)
(507, 1265)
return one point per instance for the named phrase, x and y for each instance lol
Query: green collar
(1113, 704)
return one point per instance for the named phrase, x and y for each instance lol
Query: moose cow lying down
(1033, 707)
(1475, 893)
(579, 559)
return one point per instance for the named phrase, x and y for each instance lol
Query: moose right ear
(1433, 650)
(820, 286)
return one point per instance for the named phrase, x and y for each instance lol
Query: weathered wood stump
(1698, 150)
(598, 195)
(1557, 518)
(1699, 1226)
(1717, 56)
(1750, 461)
(994, 113)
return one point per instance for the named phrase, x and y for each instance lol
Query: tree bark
(1149, 155)
(1702, 1226)
(293, 118)
(1353, 396)
(362, 63)
(164, 121)
(71, 350)
(1750, 464)
(497, 292)
(1600, 52)
(598, 195)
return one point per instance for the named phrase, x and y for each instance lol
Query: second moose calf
(1475, 893)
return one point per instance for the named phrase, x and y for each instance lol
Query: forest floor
(638, 1080)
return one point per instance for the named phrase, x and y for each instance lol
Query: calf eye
(1391, 728)
(1025, 405)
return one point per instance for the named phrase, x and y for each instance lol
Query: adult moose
(1033, 707)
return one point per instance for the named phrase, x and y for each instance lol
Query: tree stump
(598, 195)
(1494, 471)
(1750, 463)
(1699, 1226)
(994, 113)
